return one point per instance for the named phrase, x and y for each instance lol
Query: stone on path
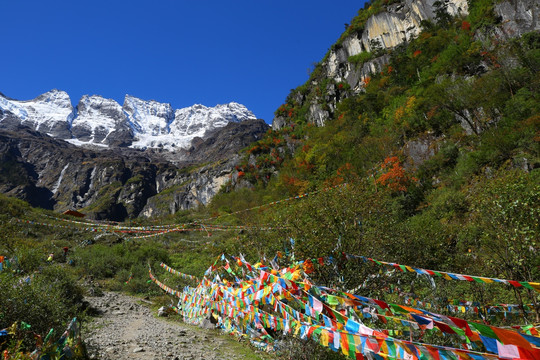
(129, 331)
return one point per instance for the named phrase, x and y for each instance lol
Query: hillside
(391, 211)
(436, 135)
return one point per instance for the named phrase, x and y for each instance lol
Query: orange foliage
(367, 80)
(394, 176)
(295, 185)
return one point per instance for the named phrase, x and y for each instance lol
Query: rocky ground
(127, 329)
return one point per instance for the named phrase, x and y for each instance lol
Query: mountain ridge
(137, 123)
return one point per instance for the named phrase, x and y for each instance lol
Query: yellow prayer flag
(324, 338)
(535, 285)
(486, 280)
(446, 276)
(384, 349)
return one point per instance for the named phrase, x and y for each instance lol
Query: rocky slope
(118, 183)
(138, 123)
(129, 153)
(126, 329)
(363, 49)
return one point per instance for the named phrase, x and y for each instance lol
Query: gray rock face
(420, 150)
(317, 115)
(118, 184)
(519, 16)
(400, 22)
(191, 190)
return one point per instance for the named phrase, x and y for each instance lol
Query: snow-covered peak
(57, 97)
(234, 111)
(50, 113)
(138, 123)
(197, 119)
(148, 117)
(97, 118)
(97, 107)
(13, 107)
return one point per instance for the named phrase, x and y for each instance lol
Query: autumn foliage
(394, 176)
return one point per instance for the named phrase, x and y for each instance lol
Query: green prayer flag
(25, 326)
(391, 346)
(397, 308)
(332, 300)
(339, 318)
(485, 330)
(352, 347)
(48, 335)
(458, 330)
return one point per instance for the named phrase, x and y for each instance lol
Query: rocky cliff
(116, 158)
(118, 183)
(363, 49)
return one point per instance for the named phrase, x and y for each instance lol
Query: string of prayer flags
(269, 301)
(452, 276)
(178, 273)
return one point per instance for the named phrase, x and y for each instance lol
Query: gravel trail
(127, 330)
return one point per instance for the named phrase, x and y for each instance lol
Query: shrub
(44, 300)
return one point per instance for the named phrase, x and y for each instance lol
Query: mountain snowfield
(137, 123)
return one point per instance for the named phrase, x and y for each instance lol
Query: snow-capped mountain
(99, 121)
(50, 113)
(137, 123)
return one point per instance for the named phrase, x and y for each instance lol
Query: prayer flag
(507, 351)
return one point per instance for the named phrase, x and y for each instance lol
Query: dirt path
(128, 330)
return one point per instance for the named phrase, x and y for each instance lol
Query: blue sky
(175, 51)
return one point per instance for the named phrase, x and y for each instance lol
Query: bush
(44, 300)
(117, 262)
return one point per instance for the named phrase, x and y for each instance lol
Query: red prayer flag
(509, 337)
(444, 328)
(382, 304)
